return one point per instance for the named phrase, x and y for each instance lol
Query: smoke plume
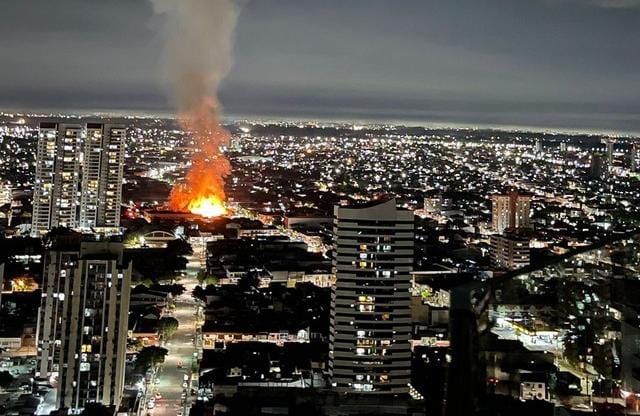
(198, 55)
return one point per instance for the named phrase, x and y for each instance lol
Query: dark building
(370, 314)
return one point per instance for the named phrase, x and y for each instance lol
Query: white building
(102, 176)
(56, 188)
(78, 180)
(370, 309)
(6, 193)
(82, 323)
(510, 211)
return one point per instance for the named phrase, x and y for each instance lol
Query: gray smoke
(199, 48)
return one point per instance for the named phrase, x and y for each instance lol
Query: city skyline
(327, 288)
(320, 207)
(567, 65)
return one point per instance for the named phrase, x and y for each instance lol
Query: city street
(181, 360)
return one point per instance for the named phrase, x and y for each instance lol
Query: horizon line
(363, 121)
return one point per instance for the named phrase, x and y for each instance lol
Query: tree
(175, 289)
(96, 409)
(154, 264)
(179, 247)
(168, 326)
(6, 379)
(60, 232)
(131, 239)
(199, 293)
(206, 279)
(150, 357)
(249, 281)
(134, 344)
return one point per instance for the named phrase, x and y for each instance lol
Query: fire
(198, 55)
(207, 207)
(202, 191)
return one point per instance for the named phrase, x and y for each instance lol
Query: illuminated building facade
(370, 311)
(6, 194)
(510, 251)
(79, 173)
(102, 176)
(510, 211)
(82, 323)
(56, 187)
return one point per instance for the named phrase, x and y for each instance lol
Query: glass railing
(561, 334)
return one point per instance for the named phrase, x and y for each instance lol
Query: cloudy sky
(548, 63)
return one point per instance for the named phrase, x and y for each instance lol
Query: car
(193, 392)
(158, 396)
(185, 384)
(179, 413)
(183, 396)
(151, 405)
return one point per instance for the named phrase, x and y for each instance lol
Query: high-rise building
(538, 146)
(102, 176)
(370, 314)
(610, 144)
(82, 322)
(563, 147)
(629, 358)
(598, 168)
(634, 157)
(56, 188)
(510, 211)
(6, 193)
(1, 282)
(510, 251)
(78, 176)
(500, 208)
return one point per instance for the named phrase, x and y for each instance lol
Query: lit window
(366, 308)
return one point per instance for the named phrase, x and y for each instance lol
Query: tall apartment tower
(1, 282)
(563, 147)
(598, 168)
(82, 322)
(102, 176)
(510, 211)
(6, 193)
(539, 146)
(78, 176)
(610, 150)
(370, 313)
(56, 187)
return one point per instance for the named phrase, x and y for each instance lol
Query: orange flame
(203, 189)
(208, 207)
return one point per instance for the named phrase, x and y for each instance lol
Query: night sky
(547, 63)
